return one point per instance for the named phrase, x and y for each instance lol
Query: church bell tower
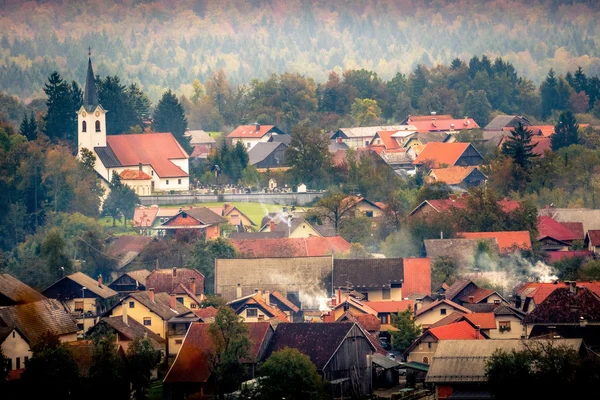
(91, 117)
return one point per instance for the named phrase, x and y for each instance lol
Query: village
(415, 317)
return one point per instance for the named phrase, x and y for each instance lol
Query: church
(147, 162)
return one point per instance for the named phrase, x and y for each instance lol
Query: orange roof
(390, 306)
(386, 138)
(273, 310)
(154, 149)
(291, 247)
(478, 295)
(543, 144)
(441, 153)
(549, 227)
(429, 125)
(417, 276)
(507, 241)
(544, 130)
(451, 175)
(453, 202)
(457, 331)
(206, 312)
(249, 131)
(134, 175)
(415, 118)
(144, 216)
(484, 320)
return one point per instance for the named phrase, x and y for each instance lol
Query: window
(9, 362)
(152, 172)
(84, 126)
(251, 312)
(147, 321)
(79, 306)
(369, 214)
(366, 143)
(428, 345)
(261, 317)
(248, 145)
(383, 318)
(18, 362)
(180, 300)
(179, 181)
(496, 301)
(386, 294)
(14, 334)
(98, 126)
(178, 341)
(131, 304)
(167, 182)
(79, 327)
(193, 305)
(378, 141)
(504, 326)
(443, 311)
(425, 360)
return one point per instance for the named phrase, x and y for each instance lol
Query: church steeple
(90, 97)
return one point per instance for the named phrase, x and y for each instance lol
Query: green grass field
(119, 229)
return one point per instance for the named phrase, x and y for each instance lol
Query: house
(433, 207)
(357, 137)
(131, 281)
(235, 216)
(302, 280)
(458, 367)
(399, 160)
(433, 312)
(458, 177)
(466, 291)
(570, 311)
(125, 248)
(150, 309)
(155, 155)
(268, 155)
(13, 292)
(590, 218)
(84, 297)
(385, 140)
(127, 329)
(384, 311)
(340, 351)
(556, 236)
(462, 251)
(365, 207)
(421, 139)
(424, 347)
(186, 284)
(137, 180)
(592, 240)
(376, 278)
(177, 327)
(21, 325)
(251, 135)
(556, 256)
(196, 222)
(290, 247)
(257, 307)
(200, 138)
(508, 320)
(417, 277)
(191, 374)
(506, 122)
(440, 155)
(508, 241)
(530, 295)
(289, 227)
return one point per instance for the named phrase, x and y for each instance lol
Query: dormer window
(97, 126)
(84, 126)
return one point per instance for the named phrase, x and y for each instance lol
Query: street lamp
(83, 299)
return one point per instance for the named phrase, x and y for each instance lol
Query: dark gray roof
(285, 139)
(262, 150)
(369, 273)
(335, 146)
(107, 157)
(161, 304)
(428, 137)
(202, 214)
(133, 329)
(501, 121)
(90, 97)
(461, 250)
(17, 292)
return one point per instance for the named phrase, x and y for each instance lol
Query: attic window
(251, 312)
(369, 213)
(443, 311)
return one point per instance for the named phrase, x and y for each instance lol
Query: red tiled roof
(594, 236)
(461, 202)
(507, 241)
(192, 363)
(249, 131)
(576, 228)
(390, 306)
(555, 256)
(448, 319)
(280, 297)
(549, 227)
(445, 301)
(441, 153)
(539, 291)
(544, 130)
(154, 149)
(271, 309)
(200, 150)
(543, 144)
(451, 175)
(457, 331)
(144, 216)
(478, 295)
(163, 280)
(428, 125)
(134, 175)
(291, 247)
(417, 276)
(207, 312)
(484, 320)
(386, 138)
(413, 118)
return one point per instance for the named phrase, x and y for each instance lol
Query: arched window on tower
(84, 126)
(97, 126)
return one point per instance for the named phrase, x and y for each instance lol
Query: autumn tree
(365, 112)
(334, 208)
(308, 155)
(566, 131)
(53, 251)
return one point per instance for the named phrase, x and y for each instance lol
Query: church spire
(90, 97)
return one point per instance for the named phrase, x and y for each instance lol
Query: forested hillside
(167, 44)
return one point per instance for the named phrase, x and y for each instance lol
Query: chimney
(172, 301)
(338, 140)
(477, 327)
(346, 306)
(471, 299)
(193, 285)
(441, 234)
(151, 294)
(174, 272)
(238, 291)
(272, 226)
(257, 127)
(140, 167)
(433, 121)
(267, 297)
(339, 296)
(452, 126)
(99, 280)
(124, 307)
(443, 296)
(433, 113)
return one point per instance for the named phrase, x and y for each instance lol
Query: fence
(286, 199)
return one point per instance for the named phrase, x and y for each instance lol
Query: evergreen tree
(141, 360)
(53, 251)
(518, 146)
(114, 98)
(419, 81)
(549, 93)
(408, 331)
(566, 131)
(580, 81)
(121, 201)
(140, 105)
(478, 107)
(28, 127)
(169, 116)
(61, 118)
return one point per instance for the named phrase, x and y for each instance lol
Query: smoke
(311, 289)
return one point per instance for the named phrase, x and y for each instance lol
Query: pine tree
(478, 107)
(566, 131)
(518, 146)
(114, 98)
(549, 93)
(61, 118)
(169, 116)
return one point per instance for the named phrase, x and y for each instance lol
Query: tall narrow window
(84, 126)
(97, 126)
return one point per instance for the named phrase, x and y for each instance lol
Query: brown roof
(285, 301)
(133, 330)
(594, 237)
(140, 275)
(291, 247)
(445, 301)
(207, 312)
(370, 325)
(258, 300)
(154, 149)
(484, 320)
(193, 361)
(161, 304)
(16, 291)
(479, 294)
(134, 175)
(565, 306)
(35, 319)
(458, 286)
(448, 319)
(127, 247)
(162, 280)
(91, 284)
(369, 273)
(144, 216)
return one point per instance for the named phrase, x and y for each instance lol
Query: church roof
(155, 149)
(90, 97)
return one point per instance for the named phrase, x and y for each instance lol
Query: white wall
(251, 141)
(91, 138)
(15, 346)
